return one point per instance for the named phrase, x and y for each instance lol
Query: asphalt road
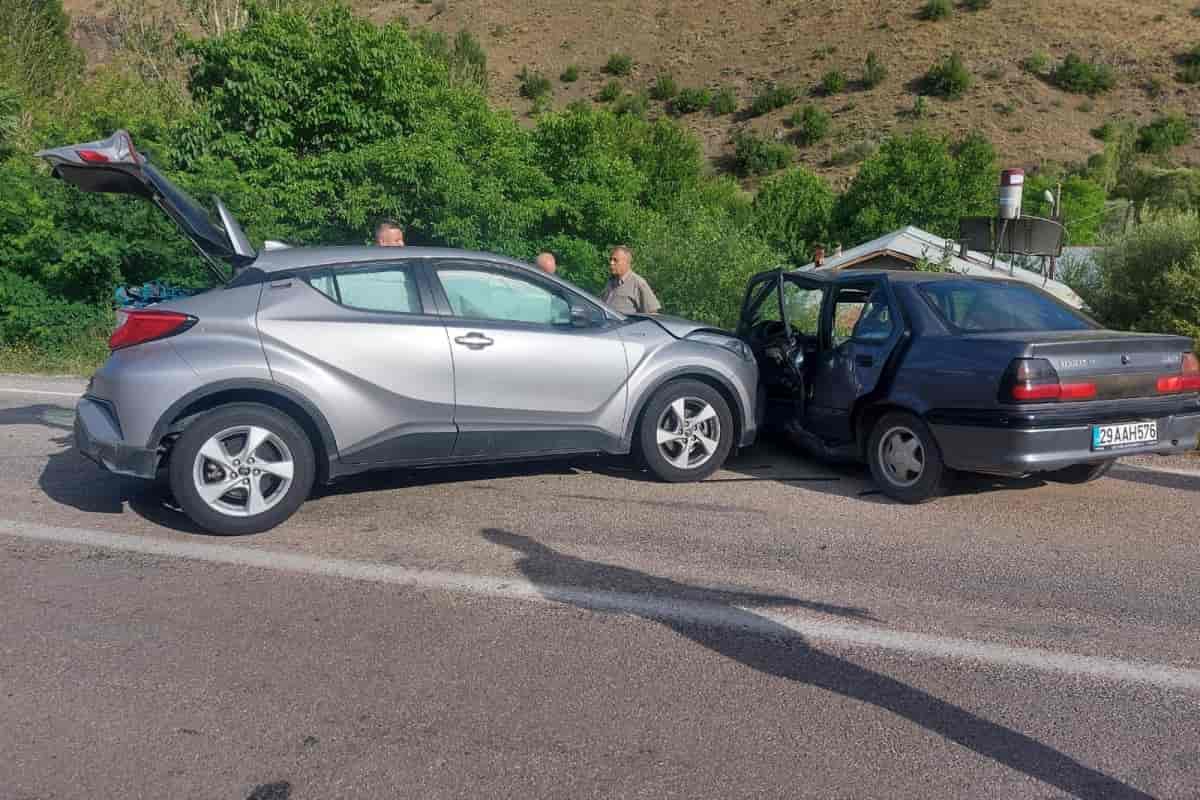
(577, 630)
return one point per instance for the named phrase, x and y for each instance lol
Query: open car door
(113, 165)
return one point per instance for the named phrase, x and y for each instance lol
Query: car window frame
(424, 297)
(870, 287)
(600, 316)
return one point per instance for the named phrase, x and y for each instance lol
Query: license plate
(1129, 434)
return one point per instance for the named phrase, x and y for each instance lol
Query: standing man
(388, 233)
(627, 291)
(546, 263)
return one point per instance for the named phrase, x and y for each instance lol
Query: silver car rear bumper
(1017, 451)
(98, 437)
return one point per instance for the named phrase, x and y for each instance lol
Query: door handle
(475, 341)
(864, 361)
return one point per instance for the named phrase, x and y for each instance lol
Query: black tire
(646, 441)
(1081, 473)
(187, 448)
(902, 428)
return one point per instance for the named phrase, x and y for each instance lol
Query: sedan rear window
(991, 307)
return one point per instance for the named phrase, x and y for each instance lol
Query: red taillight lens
(1188, 379)
(1034, 380)
(138, 327)
(93, 156)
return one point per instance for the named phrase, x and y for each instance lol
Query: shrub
(664, 88)
(772, 97)
(570, 74)
(977, 5)
(936, 9)
(619, 64)
(874, 71)
(533, 84)
(1083, 77)
(854, 154)
(757, 155)
(833, 82)
(609, 92)
(1036, 63)
(1163, 134)
(811, 125)
(690, 100)
(792, 211)
(724, 101)
(920, 108)
(949, 78)
(634, 104)
(1190, 73)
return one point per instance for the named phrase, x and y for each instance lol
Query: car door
(537, 367)
(365, 343)
(860, 327)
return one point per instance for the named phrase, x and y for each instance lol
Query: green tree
(792, 212)
(1083, 204)
(919, 180)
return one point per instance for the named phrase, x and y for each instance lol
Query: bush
(609, 92)
(1163, 134)
(1083, 77)
(1190, 73)
(949, 78)
(772, 97)
(854, 154)
(689, 101)
(874, 71)
(792, 211)
(724, 101)
(1036, 63)
(833, 82)
(664, 88)
(921, 180)
(920, 108)
(1149, 279)
(757, 155)
(977, 5)
(570, 74)
(619, 64)
(533, 85)
(634, 104)
(811, 125)
(936, 9)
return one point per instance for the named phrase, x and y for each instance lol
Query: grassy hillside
(744, 44)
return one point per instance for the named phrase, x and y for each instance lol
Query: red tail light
(1034, 380)
(138, 327)
(1188, 379)
(93, 156)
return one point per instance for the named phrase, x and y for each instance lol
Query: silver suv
(310, 364)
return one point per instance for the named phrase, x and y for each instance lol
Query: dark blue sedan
(918, 373)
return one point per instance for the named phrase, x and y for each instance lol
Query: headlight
(731, 343)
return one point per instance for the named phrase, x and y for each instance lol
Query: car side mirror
(582, 317)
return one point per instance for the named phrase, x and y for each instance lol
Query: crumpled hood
(678, 326)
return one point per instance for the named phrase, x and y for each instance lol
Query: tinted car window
(483, 294)
(861, 314)
(392, 289)
(978, 307)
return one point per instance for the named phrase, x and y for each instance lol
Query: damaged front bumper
(98, 437)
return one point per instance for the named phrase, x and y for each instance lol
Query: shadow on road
(1152, 477)
(763, 645)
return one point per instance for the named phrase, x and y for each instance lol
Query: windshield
(992, 307)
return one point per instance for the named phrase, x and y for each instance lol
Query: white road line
(41, 391)
(808, 627)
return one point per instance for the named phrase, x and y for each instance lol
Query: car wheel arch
(718, 383)
(308, 416)
(867, 414)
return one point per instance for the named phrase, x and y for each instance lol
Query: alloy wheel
(902, 456)
(243, 471)
(688, 432)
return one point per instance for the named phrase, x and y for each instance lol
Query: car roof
(293, 258)
(894, 275)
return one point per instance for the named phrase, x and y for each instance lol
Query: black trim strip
(1063, 418)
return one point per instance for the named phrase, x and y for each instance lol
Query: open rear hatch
(113, 165)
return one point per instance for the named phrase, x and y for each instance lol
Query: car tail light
(1034, 380)
(1188, 379)
(93, 156)
(140, 326)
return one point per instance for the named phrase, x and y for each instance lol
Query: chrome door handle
(475, 341)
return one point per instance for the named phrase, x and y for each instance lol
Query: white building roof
(912, 243)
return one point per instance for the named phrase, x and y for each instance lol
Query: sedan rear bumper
(98, 437)
(1016, 451)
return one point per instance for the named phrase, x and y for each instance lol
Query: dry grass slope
(746, 43)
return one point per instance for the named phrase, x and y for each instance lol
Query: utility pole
(1055, 214)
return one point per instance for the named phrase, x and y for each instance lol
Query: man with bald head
(388, 233)
(627, 291)
(546, 263)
